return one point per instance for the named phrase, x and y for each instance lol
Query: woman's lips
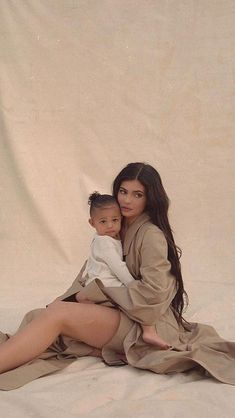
(125, 208)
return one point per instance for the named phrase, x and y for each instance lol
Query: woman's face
(132, 199)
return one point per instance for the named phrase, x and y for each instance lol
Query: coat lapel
(132, 231)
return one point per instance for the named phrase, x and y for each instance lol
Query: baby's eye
(102, 222)
(115, 220)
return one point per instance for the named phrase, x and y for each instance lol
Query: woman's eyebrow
(134, 191)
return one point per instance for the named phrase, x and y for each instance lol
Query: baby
(105, 260)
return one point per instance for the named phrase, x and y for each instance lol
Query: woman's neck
(129, 221)
(125, 225)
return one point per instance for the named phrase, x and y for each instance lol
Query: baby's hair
(97, 200)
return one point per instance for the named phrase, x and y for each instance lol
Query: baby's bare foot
(154, 339)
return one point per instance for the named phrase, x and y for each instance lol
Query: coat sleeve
(147, 299)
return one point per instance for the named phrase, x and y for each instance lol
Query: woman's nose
(127, 198)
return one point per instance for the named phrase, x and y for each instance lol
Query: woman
(108, 325)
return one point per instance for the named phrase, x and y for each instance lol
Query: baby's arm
(118, 267)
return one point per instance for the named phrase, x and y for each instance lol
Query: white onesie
(105, 262)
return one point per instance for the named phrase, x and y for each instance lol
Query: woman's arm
(147, 299)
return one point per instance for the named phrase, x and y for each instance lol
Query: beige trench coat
(146, 300)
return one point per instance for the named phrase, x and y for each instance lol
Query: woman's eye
(122, 191)
(138, 195)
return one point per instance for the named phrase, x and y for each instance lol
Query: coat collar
(132, 230)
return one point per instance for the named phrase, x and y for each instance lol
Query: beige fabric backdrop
(88, 86)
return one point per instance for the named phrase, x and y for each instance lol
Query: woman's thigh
(93, 324)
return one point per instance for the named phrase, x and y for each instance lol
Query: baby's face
(107, 220)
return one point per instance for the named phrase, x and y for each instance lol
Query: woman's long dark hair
(157, 208)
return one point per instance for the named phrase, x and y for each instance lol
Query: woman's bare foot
(97, 352)
(150, 336)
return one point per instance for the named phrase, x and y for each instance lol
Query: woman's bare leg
(93, 324)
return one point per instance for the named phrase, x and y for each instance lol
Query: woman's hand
(81, 299)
